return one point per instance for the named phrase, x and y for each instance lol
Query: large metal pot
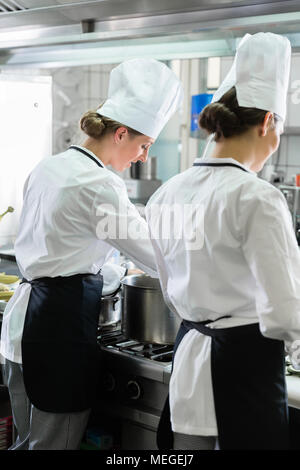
(145, 316)
(110, 312)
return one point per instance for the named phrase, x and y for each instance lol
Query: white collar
(223, 160)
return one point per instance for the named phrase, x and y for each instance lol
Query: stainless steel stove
(134, 388)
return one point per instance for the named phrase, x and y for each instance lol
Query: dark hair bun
(226, 118)
(217, 118)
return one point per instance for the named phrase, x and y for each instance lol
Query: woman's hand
(134, 271)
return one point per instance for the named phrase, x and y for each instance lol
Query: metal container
(135, 170)
(145, 316)
(144, 171)
(148, 169)
(110, 312)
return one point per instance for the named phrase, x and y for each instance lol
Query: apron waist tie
(218, 332)
(49, 280)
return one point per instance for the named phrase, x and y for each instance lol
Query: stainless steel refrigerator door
(25, 139)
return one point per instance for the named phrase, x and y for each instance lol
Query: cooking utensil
(135, 170)
(9, 209)
(110, 312)
(145, 316)
(144, 170)
(148, 169)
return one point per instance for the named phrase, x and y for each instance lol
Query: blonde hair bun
(92, 124)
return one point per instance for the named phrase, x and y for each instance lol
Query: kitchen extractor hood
(54, 33)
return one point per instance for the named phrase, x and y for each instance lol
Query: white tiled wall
(76, 90)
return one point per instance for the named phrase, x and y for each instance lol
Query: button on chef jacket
(59, 232)
(248, 267)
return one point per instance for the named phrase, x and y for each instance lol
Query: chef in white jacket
(232, 269)
(75, 213)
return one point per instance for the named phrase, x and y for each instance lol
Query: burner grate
(113, 339)
(109, 336)
(147, 350)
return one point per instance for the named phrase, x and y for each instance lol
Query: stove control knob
(133, 390)
(109, 382)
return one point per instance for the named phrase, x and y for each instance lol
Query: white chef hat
(143, 94)
(260, 73)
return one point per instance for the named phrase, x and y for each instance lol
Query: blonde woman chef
(238, 290)
(74, 213)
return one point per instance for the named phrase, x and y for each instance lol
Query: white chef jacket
(65, 198)
(248, 267)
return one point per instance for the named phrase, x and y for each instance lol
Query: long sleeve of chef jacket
(117, 222)
(270, 248)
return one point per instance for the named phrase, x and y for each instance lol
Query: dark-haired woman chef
(75, 212)
(233, 275)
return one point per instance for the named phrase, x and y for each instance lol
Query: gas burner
(109, 328)
(111, 338)
(164, 357)
(109, 335)
(155, 352)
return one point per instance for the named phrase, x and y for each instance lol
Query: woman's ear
(120, 133)
(267, 122)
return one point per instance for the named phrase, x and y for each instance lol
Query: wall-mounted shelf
(293, 131)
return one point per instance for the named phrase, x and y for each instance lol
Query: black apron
(248, 380)
(249, 389)
(59, 344)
